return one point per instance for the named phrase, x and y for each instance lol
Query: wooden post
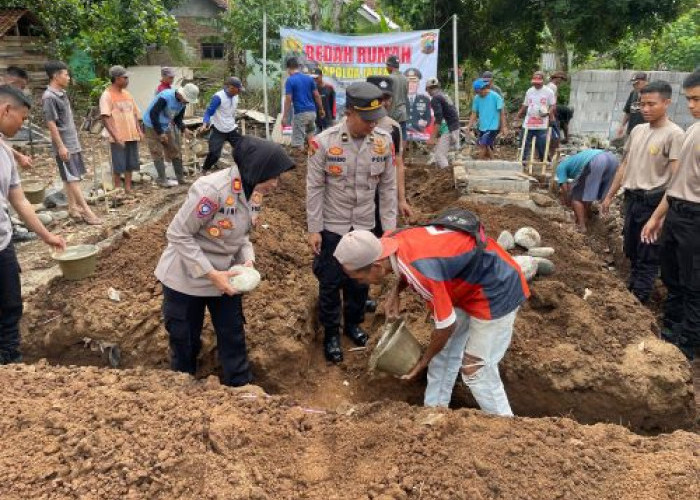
(532, 155)
(546, 150)
(522, 147)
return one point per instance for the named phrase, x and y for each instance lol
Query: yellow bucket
(397, 351)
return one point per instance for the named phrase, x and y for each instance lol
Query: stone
(505, 239)
(540, 252)
(136, 177)
(45, 218)
(21, 230)
(60, 215)
(542, 200)
(527, 237)
(528, 265)
(545, 267)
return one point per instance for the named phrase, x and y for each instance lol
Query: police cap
(385, 83)
(413, 73)
(366, 99)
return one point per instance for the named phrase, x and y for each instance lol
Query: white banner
(345, 59)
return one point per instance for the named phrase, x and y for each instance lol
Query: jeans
(487, 340)
(331, 280)
(10, 306)
(216, 144)
(184, 318)
(540, 138)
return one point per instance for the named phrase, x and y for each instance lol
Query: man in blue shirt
(168, 108)
(220, 117)
(584, 178)
(301, 94)
(488, 108)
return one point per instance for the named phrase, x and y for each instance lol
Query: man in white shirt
(538, 108)
(220, 117)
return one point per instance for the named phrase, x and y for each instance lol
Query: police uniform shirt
(686, 183)
(420, 110)
(342, 178)
(210, 231)
(650, 150)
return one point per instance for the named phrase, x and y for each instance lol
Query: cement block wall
(599, 96)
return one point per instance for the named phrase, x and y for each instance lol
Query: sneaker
(182, 182)
(166, 183)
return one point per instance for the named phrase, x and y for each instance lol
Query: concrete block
(491, 165)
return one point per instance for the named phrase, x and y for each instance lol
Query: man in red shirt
(474, 294)
(167, 77)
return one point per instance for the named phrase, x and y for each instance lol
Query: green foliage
(95, 88)
(110, 31)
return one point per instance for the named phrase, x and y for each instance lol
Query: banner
(345, 59)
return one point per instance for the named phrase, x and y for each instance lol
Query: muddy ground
(595, 359)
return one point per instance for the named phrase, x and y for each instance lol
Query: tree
(600, 24)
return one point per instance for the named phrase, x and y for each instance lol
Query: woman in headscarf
(208, 235)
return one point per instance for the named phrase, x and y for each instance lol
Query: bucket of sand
(77, 262)
(397, 350)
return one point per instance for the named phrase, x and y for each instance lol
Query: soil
(94, 433)
(595, 359)
(83, 430)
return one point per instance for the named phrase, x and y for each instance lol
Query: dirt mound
(596, 359)
(93, 433)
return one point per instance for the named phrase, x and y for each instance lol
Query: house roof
(9, 17)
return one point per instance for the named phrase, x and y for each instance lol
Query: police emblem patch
(206, 207)
(225, 224)
(335, 151)
(230, 201)
(237, 185)
(214, 232)
(257, 198)
(335, 170)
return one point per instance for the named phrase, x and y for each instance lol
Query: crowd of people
(355, 193)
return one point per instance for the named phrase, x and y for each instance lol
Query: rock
(45, 218)
(527, 237)
(21, 230)
(542, 200)
(55, 198)
(60, 215)
(505, 239)
(545, 267)
(136, 177)
(528, 265)
(540, 252)
(16, 221)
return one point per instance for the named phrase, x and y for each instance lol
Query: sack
(459, 219)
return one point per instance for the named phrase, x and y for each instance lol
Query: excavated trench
(596, 360)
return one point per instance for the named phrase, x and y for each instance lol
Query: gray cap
(166, 71)
(117, 71)
(366, 99)
(487, 74)
(235, 82)
(640, 75)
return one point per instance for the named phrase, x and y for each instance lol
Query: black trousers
(216, 144)
(10, 306)
(644, 258)
(184, 318)
(331, 280)
(680, 272)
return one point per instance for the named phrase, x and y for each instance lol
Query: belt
(643, 194)
(684, 207)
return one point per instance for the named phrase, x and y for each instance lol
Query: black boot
(370, 306)
(331, 346)
(357, 335)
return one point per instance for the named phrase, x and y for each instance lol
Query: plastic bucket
(397, 352)
(77, 262)
(34, 191)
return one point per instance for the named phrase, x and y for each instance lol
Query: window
(212, 51)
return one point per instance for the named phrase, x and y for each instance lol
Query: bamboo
(522, 147)
(546, 150)
(532, 155)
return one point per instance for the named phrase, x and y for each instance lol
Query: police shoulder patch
(237, 185)
(206, 207)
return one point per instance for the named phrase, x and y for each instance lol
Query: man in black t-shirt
(633, 112)
(327, 93)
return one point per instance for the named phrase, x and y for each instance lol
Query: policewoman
(208, 235)
(350, 162)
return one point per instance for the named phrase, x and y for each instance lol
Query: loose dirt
(93, 433)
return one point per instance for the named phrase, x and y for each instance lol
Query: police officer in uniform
(208, 235)
(350, 162)
(418, 104)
